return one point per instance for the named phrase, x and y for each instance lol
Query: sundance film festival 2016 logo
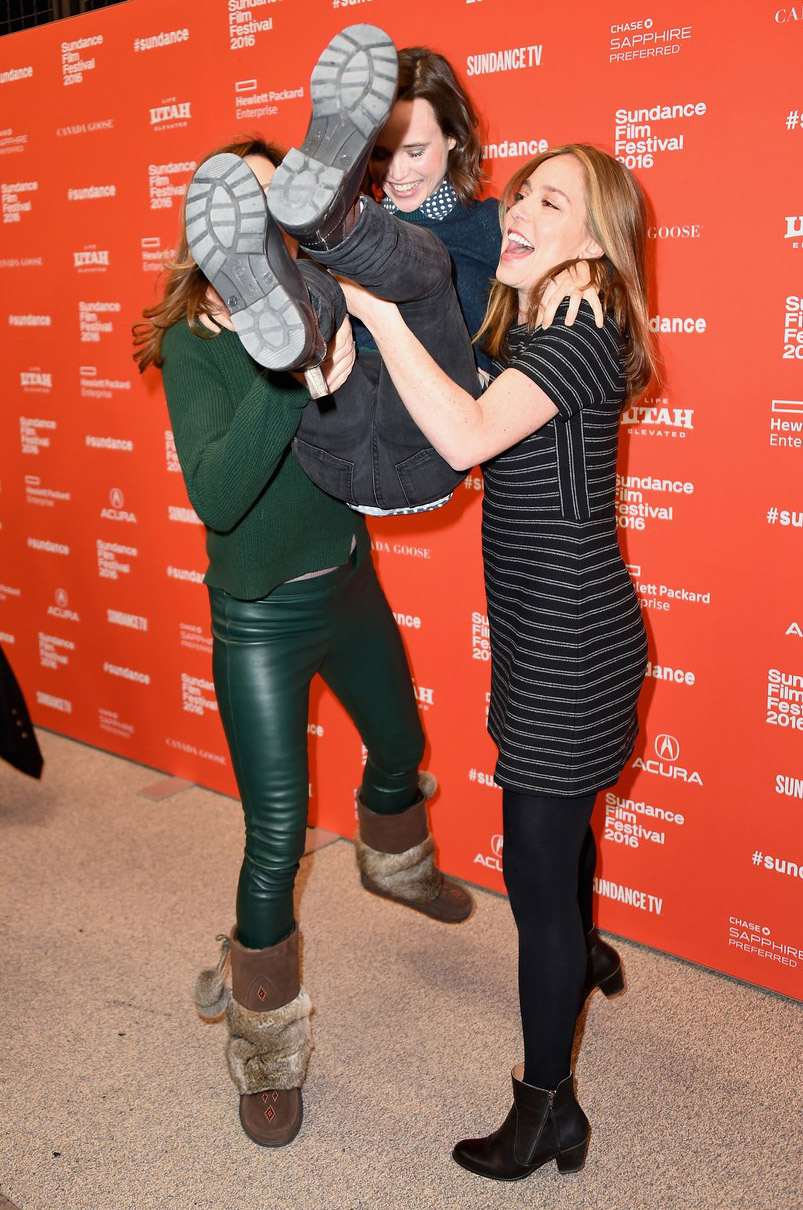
(492, 860)
(116, 510)
(636, 145)
(74, 62)
(480, 636)
(61, 608)
(633, 511)
(665, 762)
(245, 25)
(54, 651)
(163, 192)
(35, 433)
(786, 424)
(14, 200)
(785, 699)
(793, 328)
(628, 822)
(110, 559)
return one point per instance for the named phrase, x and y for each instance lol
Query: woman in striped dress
(567, 639)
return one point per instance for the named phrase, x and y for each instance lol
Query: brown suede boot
(269, 1039)
(396, 856)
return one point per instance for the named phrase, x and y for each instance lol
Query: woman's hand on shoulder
(574, 283)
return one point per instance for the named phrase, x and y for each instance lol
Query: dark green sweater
(233, 423)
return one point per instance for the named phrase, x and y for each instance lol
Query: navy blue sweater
(472, 235)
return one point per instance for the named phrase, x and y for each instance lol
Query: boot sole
(352, 89)
(227, 228)
(423, 906)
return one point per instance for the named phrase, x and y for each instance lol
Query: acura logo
(496, 846)
(116, 498)
(61, 598)
(667, 747)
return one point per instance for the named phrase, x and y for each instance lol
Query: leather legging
(265, 654)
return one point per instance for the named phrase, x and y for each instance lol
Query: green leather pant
(265, 654)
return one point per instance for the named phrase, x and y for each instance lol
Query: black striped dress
(568, 645)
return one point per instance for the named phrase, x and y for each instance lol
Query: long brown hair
(426, 74)
(616, 220)
(186, 289)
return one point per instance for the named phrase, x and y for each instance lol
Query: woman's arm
(464, 431)
(228, 449)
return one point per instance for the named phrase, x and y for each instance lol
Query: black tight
(548, 861)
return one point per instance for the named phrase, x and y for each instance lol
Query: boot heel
(614, 984)
(573, 1158)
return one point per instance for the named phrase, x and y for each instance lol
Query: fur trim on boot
(396, 857)
(409, 875)
(271, 1049)
(211, 993)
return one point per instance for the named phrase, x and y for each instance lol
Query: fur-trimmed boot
(603, 968)
(396, 857)
(543, 1124)
(269, 1039)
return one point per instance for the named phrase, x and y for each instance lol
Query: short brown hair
(616, 218)
(426, 74)
(186, 289)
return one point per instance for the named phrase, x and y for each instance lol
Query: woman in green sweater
(293, 592)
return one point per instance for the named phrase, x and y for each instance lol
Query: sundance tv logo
(665, 762)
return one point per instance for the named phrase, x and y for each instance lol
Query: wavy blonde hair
(616, 218)
(185, 294)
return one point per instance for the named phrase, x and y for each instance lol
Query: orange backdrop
(102, 612)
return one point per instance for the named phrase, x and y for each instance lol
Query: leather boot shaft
(394, 833)
(262, 980)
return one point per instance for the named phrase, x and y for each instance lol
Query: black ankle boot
(352, 89)
(542, 1125)
(241, 251)
(603, 968)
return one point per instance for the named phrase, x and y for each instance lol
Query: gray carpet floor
(116, 1097)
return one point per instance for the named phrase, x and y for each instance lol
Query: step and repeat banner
(102, 610)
